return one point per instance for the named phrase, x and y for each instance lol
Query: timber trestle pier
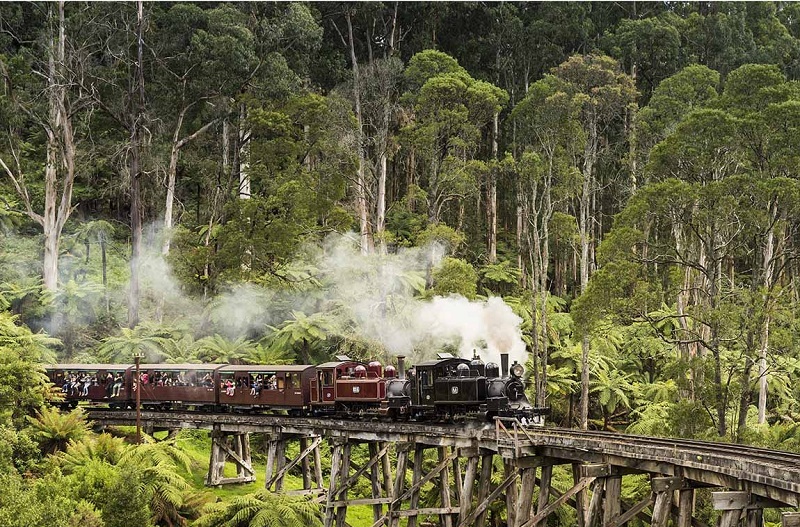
(743, 480)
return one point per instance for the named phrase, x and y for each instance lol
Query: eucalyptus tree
(766, 107)
(549, 131)
(203, 58)
(112, 74)
(605, 94)
(40, 85)
(692, 88)
(450, 110)
(648, 48)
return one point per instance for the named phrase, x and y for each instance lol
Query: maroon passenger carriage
(266, 387)
(167, 386)
(349, 386)
(105, 383)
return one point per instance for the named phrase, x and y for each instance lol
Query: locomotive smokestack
(504, 364)
(401, 367)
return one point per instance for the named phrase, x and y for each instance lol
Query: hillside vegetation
(610, 191)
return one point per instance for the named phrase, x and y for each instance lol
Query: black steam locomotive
(438, 389)
(454, 386)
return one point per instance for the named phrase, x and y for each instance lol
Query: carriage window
(281, 383)
(270, 381)
(206, 379)
(289, 380)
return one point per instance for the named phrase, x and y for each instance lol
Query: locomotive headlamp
(517, 370)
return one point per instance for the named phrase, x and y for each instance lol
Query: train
(445, 388)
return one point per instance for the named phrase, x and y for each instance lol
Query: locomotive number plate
(356, 389)
(454, 390)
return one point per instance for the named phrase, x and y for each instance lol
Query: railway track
(772, 456)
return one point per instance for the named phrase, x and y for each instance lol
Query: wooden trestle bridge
(743, 480)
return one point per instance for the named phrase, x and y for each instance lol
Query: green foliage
(302, 334)
(500, 276)
(23, 385)
(146, 482)
(442, 234)
(455, 276)
(217, 348)
(693, 209)
(18, 451)
(54, 429)
(43, 502)
(149, 339)
(263, 509)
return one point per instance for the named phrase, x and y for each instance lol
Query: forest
(609, 190)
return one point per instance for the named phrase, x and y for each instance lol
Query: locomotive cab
(449, 385)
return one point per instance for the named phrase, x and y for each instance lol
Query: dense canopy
(284, 182)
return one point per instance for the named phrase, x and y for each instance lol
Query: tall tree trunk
(544, 263)
(491, 207)
(138, 99)
(60, 150)
(361, 190)
(380, 223)
(585, 230)
(768, 266)
(715, 265)
(244, 155)
(521, 219)
(136, 231)
(172, 174)
(104, 263)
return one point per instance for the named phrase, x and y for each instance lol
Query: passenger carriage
(70, 378)
(166, 386)
(266, 387)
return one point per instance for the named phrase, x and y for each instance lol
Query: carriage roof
(88, 367)
(289, 368)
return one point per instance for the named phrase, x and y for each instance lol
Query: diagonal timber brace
(283, 471)
(482, 506)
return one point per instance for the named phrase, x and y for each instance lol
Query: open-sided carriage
(265, 387)
(99, 383)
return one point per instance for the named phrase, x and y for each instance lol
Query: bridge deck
(771, 474)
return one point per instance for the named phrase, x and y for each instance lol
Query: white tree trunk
(585, 230)
(491, 208)
(769, 253)
(380, 220)
(244, 157)
(361, 190)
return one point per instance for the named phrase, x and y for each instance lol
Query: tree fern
(54, 429)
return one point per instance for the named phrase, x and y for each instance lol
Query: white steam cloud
(379, 293)
(376, 296)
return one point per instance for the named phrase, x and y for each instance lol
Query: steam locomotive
(439, 389)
